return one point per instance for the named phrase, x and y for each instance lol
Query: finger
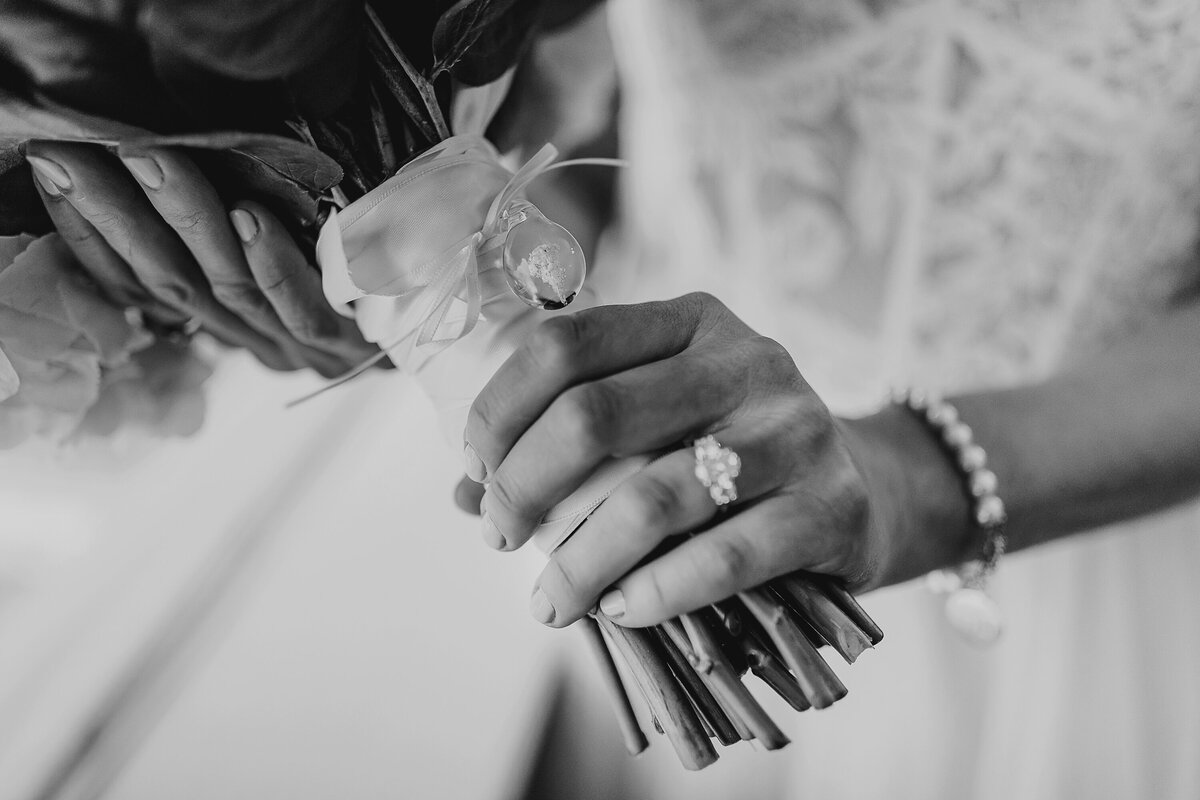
(569, 350)
(746, 550)
(101, 263)
(293, 287)
(189, 204)
(821, 526)
(468, 495)
(104, 195)
(638, 411)
(664, 499)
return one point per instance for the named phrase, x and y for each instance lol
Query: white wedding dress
(952, 194)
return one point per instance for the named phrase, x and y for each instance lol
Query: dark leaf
(284, 172)
(476, 41)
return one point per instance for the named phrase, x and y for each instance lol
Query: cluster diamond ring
(717, 469)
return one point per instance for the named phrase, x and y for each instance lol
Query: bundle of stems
(689, 671)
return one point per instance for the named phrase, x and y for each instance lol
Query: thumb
(468, 495)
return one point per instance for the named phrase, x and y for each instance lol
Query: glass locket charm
(542, 261)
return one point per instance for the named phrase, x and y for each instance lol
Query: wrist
(920, 514)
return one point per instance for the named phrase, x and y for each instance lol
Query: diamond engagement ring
(716, 469)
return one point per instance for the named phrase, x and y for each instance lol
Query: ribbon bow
(428, 238)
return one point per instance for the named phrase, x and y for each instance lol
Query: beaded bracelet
(968, 606)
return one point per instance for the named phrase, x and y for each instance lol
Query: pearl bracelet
(968, 606)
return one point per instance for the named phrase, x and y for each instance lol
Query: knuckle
(655, 503)
(567, 587)
(770, 352)
(653, 596)
(557, 343)
(237, 294)
(195, 222)
(728, 564)
(110, 221)
(78, 235)
(592, 415)
(701, 299)
(272, 277)
(481, 421)
(315, 329)
(503, 493)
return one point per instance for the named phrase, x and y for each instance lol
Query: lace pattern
(959, 193)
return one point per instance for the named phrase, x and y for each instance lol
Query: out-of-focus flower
(157, 393)
(69, 357)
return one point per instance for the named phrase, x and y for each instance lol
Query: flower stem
(631, 732)
(825, 616)
(819, 683)
(668, 701)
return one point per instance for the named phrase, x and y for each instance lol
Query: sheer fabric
(954, 194)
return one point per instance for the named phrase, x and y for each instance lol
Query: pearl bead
(942, 414)
(972, 458)
(983, 482)
(989, 511)
(958, 435)
(943, 581)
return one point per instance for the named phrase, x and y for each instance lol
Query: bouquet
(349, 120)
(447, 266)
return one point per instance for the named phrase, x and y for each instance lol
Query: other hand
(625, 380)
(152, 232)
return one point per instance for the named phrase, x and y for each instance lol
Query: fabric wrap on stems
(419, 257)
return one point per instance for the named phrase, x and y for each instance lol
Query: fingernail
(613, 603)
(53, 178)
(146, 170)
(245, 224)
(476, 469)
(540, 607)
(492, 535)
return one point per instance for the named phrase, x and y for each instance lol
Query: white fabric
(418, 257)
(954, 194)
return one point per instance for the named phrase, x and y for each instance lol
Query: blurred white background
(287, 605)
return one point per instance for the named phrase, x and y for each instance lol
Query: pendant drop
(974, 614)
(542, 261)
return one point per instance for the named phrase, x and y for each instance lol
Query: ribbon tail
(534, 167)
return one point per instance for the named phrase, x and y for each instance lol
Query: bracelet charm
(969, 608)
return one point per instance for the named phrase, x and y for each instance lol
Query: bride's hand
(153, 233)
(624, 380)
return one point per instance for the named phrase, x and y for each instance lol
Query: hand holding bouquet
(574, 435)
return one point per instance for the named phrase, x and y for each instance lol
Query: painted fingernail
(53, 178)
(492, 535)
(613, 603)
(476, 469)
(540, 607)
(245, 224)
(146, 170)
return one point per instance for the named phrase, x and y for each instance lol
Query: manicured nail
(613, 603)
(476, 469)
(540, 607)
(146, 170)
(492, 535)
(53, 178)
(244, 223)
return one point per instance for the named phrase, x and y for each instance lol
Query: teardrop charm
(974, 614)
(543, 263)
